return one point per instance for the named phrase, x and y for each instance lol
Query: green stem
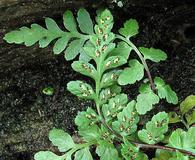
(79, 35)
(97, 83)
(74, 35)
(97, 101)
(141, 58)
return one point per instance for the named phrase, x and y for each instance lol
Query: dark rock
(26, 115)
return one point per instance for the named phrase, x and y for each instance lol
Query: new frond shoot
(112, 128)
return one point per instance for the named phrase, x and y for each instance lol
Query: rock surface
(26, 115)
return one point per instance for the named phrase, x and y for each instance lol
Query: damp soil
(27, 115)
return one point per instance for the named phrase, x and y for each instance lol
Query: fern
(70, 41)
(112, 127)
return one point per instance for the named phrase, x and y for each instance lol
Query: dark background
(26, 115)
